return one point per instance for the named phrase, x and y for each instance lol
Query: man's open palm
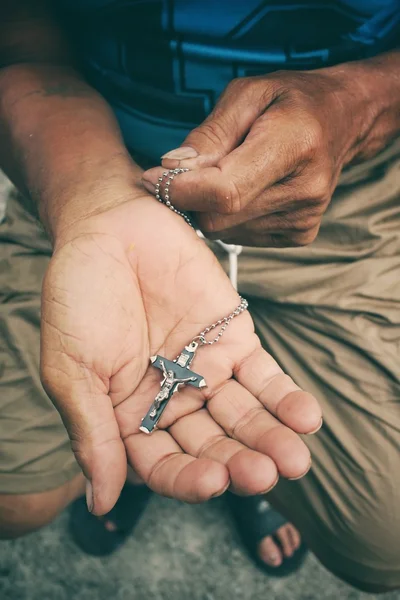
(134, 282)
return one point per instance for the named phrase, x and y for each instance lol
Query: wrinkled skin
(269, 156)
(136, 281)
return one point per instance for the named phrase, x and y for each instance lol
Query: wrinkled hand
(266, 161)
(136, 281)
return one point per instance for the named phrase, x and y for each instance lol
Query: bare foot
(273, 554)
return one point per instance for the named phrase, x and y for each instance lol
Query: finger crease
(210, 393)
(160, 463)
(212, 443)
(245, 421)
(267, 433)
(266, 384)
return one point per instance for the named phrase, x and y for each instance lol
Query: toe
(109, 525)
(285, 540)
(269, 552)
(294, 536)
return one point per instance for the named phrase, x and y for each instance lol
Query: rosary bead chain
(168, 176)
(224, 322)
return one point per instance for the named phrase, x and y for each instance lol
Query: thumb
(87, 413)
(222, 131)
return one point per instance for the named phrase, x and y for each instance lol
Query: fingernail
(89, 495)
(271, 487)
(318, 428)
(149, 186)
(301, 476)
(181, 153)
(217, 494)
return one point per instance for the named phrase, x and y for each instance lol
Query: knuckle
(236, 84)
(304, 224)
(312, 138)
(307, 219)
(273, 240)
(227, 199)
(213, 132)
(258, 89)
(216, 441)
(321, 187)
(240, 84)
(211, 223)
(253, 414)
(305, 237)
(294, 97)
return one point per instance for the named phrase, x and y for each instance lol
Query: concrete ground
(178, 552)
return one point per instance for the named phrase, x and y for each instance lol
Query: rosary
(177, 373)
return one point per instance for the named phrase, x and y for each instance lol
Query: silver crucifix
(175, 374)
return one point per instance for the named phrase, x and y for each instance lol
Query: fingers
(288, 239)
(261, 376)
(268, 155)
(88, 416)
(158, 458)
(202, 190)
(226, 126)
(288, 210)
(252, 453)
(160, 462)
(284, 215)
(250, 472)
(243, 418)
(195, 432)
(214, 362)
(260, 446)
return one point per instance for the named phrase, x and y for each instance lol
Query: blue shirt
(163, 63)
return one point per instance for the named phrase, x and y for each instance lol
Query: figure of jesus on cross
(176, 373)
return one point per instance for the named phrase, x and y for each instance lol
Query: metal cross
(175, 374)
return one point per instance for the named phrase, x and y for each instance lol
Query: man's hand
(266, 161)
(136, 281)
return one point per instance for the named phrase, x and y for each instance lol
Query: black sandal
(90, 533)
(255, 519)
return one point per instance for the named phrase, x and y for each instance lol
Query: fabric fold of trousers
(330, 315)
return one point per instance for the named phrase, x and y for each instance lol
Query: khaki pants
(329, 313)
